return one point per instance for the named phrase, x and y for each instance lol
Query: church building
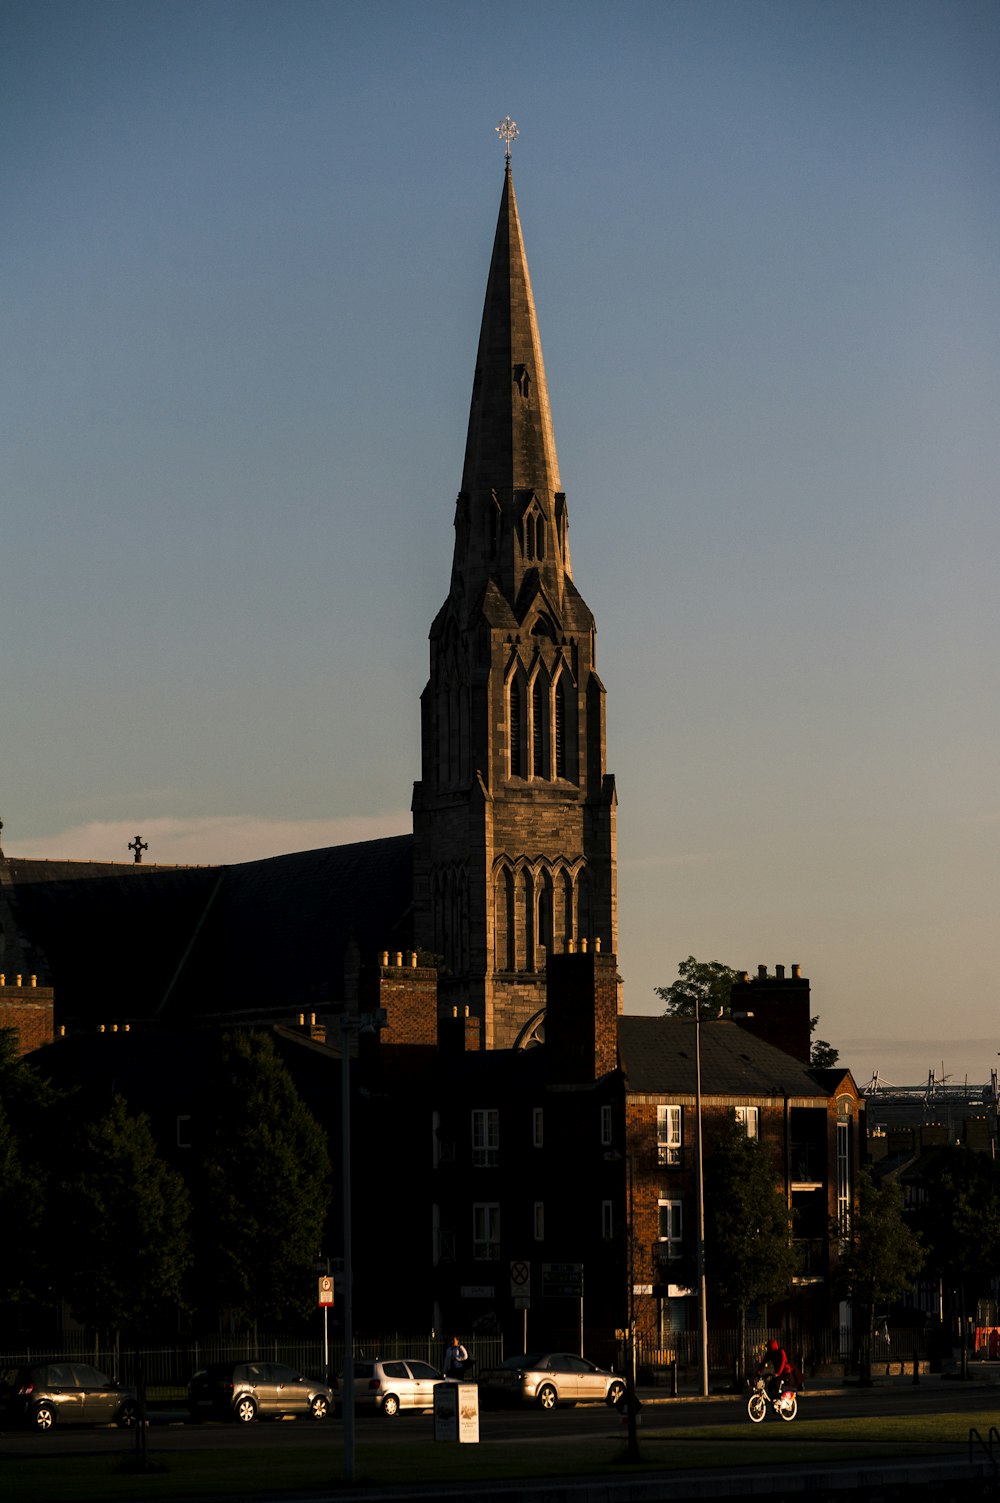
(512, 855)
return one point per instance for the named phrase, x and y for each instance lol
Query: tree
(130, 1211)
(822, 1056)
(709, 982)
(959, 1219)
(879, 1261)
(27, 1100)
(749, 1258)
(706, 982)
(264, 1187)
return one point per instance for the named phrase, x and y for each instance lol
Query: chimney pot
(385, 957)
(597, 943)
(399, 958)
(17, 980)
(779, 972)
(797, 972)
(762, 973)
(583, 947)
(34, 980)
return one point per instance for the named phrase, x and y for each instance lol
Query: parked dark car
(244, 1391)
(548, 1379)
(43, 1394)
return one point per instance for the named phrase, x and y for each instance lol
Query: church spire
(510, 444)
(511, 524)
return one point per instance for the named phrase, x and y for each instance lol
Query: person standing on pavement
(456, 1359)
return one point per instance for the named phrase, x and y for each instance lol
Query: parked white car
(388, 1386)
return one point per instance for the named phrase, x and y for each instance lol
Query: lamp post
(702, 1309)
(349, 1024)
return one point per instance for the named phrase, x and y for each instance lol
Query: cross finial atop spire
(507, 130)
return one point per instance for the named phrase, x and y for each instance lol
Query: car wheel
(43, 1417)
(390, 1406)
(128, 1415)
(319, 1409)
(615, 1392)
(547, 1397)
(246, 1409)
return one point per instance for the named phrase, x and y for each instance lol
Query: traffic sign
(325, 1292)
(520, 1277)
(562, 1280)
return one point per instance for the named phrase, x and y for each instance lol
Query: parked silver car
(548, 1379)
(243, 1391)
(44, 1394)
(388, 1386)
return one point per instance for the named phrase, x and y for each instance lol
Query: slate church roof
(250, 941)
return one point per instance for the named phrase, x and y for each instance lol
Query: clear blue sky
(245, 248)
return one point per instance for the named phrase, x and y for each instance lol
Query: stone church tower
(514, 814)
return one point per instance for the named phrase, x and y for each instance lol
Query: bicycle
(786, 1405)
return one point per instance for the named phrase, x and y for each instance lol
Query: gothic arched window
(560, 728)
(538, 728)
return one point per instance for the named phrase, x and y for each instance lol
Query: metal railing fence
(171, 1366)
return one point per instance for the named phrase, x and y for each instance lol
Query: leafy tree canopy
(880, 1257)
(748, 1254)
(29, 1104)
(264, 1189)
(705, 982)
(959, 1216)
(129, 1210)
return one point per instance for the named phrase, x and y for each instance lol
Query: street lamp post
(349, 1024)
(702, 1303)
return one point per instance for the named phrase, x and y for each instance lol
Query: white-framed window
(606, 1126)
(671, 1220)
(537, 1126)
(486, 1229)
(669, 1134)
(749, 1119)
(607, 1220)
(844, 1175)
(539, 1220)
(485, 1137)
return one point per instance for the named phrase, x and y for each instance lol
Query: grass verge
(229, 1472)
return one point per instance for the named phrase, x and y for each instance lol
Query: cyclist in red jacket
(779, 1371)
